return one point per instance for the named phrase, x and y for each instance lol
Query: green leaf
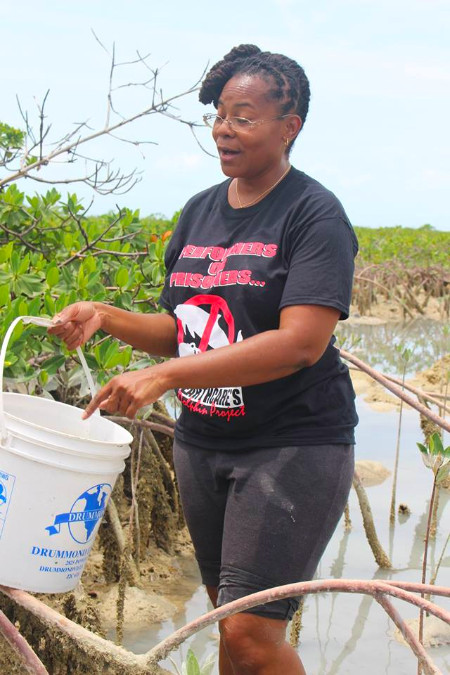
(112, 356)
(53, 364)
(52, 276)
(61, 302)
(435, 443)
(122, 276)
(192, 667)
(156, 276)
(15, 262)
(68, 241)
(91, 361)
(24, 265)
(43, 377)
(5, 252)
(4, 295)
(123, 300)
(10, 137)
(18, 330)
(90, 264)
(73, 297)
(159, 248)
(49, 304)
(34, 307)
(81, 279)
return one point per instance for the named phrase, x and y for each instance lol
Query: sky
(377, 132)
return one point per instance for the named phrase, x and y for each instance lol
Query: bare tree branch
(395, 389)
(102, 178)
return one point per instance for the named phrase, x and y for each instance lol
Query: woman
(259, 271)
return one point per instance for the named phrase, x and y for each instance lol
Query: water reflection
(374, 343)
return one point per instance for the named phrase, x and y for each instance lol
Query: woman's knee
(251, 640)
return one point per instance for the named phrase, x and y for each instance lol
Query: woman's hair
(286, 78)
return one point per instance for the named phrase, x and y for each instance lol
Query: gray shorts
(263, 517)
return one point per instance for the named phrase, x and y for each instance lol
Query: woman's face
(254, 152)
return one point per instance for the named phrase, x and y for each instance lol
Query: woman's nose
(223, 127)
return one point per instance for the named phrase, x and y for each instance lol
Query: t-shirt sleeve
(321, 265)
(170, 258)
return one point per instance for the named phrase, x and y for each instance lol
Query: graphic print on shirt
(205, 322)
(220, 258)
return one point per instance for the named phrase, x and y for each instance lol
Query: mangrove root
(369, 526)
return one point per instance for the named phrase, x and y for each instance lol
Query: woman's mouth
(226, 154)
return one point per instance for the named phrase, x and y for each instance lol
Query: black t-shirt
(229, 273)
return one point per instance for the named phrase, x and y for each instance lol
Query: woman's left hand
(128, 392)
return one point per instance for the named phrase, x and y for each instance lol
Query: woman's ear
(293, 124)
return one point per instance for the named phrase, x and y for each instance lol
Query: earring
(286, 142)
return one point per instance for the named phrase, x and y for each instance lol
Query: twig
(419, 651)
(397, 454)
(294, 590)
(440, 421)
(91, 244)
(17, 642)
(431, 397)
(165, 419)
(159, 107)
(85, 639)
(425, 553)
(154, 426)
(147, 663)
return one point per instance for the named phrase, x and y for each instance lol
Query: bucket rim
(79, 452)
(112, 471)
(64, 434)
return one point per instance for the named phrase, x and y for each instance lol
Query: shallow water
(374, 343)
(346, 634)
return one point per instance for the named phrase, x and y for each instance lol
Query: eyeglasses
(237, 123)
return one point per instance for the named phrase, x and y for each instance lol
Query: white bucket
(57, 472)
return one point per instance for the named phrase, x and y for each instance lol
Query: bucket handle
(37, 321)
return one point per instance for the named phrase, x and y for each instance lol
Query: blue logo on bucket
(84, 515)
(7, 481)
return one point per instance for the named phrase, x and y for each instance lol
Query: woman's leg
(203, 496)
(283, 505)
(255, 645)
(225, 666)
(271, 512)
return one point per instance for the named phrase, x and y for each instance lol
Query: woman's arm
(302, 336)
(151, 333)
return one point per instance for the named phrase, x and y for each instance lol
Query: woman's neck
(245, 192)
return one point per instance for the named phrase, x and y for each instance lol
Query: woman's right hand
(76, 323)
